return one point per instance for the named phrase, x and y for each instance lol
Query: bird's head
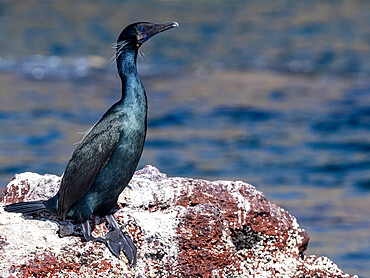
(135, 34)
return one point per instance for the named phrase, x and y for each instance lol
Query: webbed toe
(117, 241)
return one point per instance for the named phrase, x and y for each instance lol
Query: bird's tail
(26, 207)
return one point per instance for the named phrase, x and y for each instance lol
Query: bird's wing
(90, 156)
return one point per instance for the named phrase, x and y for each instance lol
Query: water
(275, 94)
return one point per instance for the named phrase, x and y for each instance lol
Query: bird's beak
(163, 27)
(156, 28)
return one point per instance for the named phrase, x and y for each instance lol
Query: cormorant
(105, 160)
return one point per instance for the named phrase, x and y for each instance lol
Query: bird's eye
(141, 29)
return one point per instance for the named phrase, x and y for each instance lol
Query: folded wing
(89, 158)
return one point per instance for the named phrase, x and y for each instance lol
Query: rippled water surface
(274, 94)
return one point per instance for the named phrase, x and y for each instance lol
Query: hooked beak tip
(175, 24)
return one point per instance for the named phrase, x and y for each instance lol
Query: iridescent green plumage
(105, 160)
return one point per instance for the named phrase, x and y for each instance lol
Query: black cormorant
(105, 160)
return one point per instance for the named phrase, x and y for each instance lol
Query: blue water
(275, 94)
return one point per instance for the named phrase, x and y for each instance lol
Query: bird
(105, 160)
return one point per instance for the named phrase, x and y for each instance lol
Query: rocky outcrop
(182, 227)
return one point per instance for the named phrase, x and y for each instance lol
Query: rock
(182, 227)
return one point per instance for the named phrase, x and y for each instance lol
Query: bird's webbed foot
(119, 241)
(115, 240)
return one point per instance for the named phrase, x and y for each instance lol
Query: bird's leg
(118, 240)
(86, 230)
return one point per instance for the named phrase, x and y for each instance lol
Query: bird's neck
(126, 64)
(133, 94)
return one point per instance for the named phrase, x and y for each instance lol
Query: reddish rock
(182, 228)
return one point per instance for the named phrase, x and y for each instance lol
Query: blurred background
(274, 93)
